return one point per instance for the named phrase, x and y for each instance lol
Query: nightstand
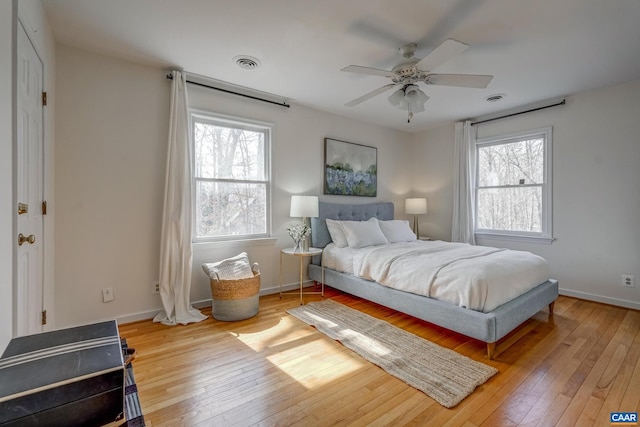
(304, 254)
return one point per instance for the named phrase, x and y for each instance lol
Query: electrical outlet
(107, 295)
(156, 287)
(628, 281)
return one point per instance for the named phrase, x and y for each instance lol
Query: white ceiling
(537, 50)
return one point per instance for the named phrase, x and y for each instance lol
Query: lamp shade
(304, 206)
(415, 206)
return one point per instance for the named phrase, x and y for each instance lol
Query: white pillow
(397, 230)
(363, 233)
(337, 233)
(237, 267)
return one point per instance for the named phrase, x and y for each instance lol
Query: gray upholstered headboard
(320, 234)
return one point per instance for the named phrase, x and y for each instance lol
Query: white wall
(596, 178)
(432, 162)
(7, 19)
(111, 130)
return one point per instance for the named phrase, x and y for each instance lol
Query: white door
(30, 165)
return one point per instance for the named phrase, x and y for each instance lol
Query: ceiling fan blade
(461, 80)
(370, 95)
(447, 50)
(367, 70)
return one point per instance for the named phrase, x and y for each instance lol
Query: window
(231, 178)
(513, 185)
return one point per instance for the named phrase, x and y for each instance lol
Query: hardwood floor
(572, 370)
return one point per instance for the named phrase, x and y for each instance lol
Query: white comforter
(476, 277)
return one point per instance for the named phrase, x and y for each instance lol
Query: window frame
(546, 221)
(216, 119)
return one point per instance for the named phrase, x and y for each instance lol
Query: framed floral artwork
(350, 169)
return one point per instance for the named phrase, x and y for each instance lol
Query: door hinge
(44, 98)
(44, 207)
(44, 317)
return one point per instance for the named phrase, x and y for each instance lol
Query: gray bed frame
(487, 327)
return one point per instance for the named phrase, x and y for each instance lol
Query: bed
(489, 326)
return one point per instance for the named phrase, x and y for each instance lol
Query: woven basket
(235, 299)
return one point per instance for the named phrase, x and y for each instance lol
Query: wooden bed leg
(491, 349)
(551, 305)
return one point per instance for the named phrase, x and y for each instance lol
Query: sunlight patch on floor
(317, 362)
(307, 356)
(273, 336)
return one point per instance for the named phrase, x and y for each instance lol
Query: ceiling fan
(406, 76)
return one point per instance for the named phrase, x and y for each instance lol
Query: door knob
(31, 239)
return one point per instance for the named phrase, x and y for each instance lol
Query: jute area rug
(442, 374)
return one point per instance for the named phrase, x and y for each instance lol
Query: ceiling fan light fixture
(396, 97)
(411, 91)
(422, 99)
(416, 97)
(409, 97)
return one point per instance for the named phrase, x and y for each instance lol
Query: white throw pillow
(337, 233)
(397, 230)
(237, 267)
(363, 233)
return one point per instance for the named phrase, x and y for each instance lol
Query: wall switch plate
(628, 281)
(107, 295)
(156, 287)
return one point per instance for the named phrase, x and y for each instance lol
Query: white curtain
(176, 256)
(464, 175)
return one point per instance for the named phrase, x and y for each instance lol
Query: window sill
(239, 243)
(515, 238)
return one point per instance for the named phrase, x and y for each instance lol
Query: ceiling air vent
(247, 62)
(495, 98)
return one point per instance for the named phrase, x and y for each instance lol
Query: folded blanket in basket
(234, 268)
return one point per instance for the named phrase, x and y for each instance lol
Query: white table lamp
(415, 206)
(304, 207)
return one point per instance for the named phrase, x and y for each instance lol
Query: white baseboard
(147, 315)
(285, 288)
(144, 315)
(599, 298)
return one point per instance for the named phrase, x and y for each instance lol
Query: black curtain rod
(282, 104)
(521, 112)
